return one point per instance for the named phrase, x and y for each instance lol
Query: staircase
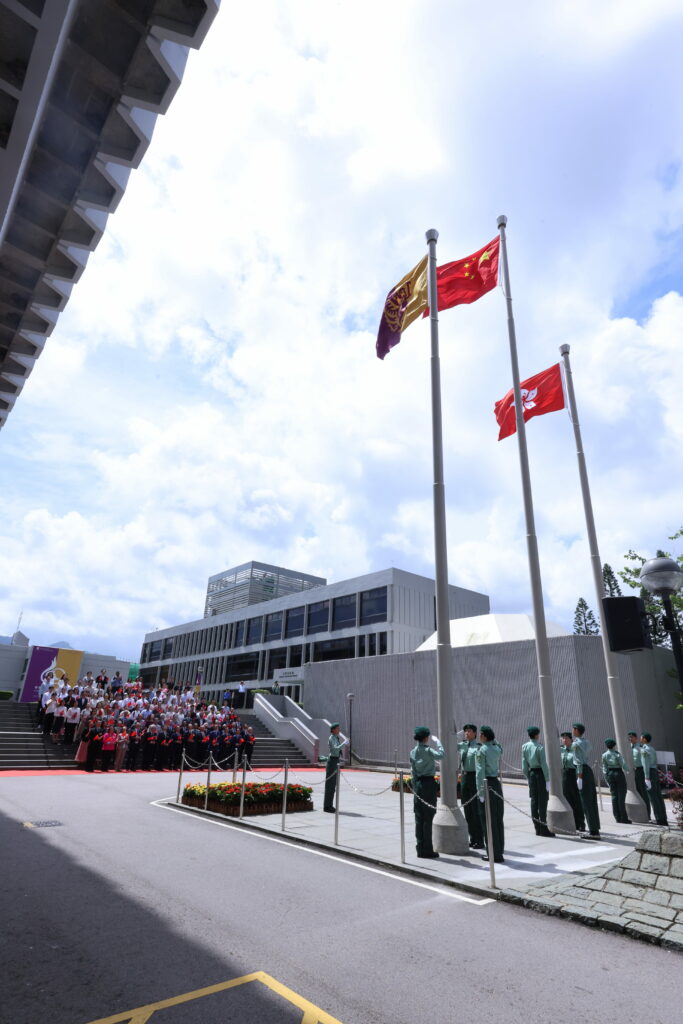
(23, 748)
(269, 751)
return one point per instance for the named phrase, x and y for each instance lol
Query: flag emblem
(540, 394)
(403, 304)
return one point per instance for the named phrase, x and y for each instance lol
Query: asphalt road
(126, 903)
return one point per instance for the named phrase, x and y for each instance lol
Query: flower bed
(408, 784)
(259, 798)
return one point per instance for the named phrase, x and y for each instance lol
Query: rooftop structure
(253, 583)
(492, 629)
(81, 85)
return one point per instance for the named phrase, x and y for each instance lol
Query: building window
(373, 606)
(361, 646)
(168, 648)
(155, 650)
(238, 638)
(277, 658)
(295, 656)
(334, 650)
(242, 666)
(295, 622)
(254, 629)
(372, 647)
(318, 617)
(273, 626)
(344, 612)
(382, 643)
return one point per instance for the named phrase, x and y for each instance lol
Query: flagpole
(449, 830)
(560, 815)
(635, 805)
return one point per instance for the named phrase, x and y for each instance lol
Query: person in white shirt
(72, 718)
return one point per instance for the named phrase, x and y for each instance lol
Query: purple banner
(41, 666)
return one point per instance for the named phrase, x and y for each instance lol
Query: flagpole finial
(564, 350)
(502, 221)
(431, 235)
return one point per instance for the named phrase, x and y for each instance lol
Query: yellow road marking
(311, 1014)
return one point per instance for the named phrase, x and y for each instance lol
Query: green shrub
(6, 694)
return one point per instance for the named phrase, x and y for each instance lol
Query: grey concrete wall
(494, 684)
(12, 660)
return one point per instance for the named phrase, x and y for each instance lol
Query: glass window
(373, 606)
(334, 650)
(361, 646)
(372, 644)
(242, 666)
(238, 638)
(318, 617)
(155, 650)
(143, 653)
(382, 643)
(295, 656)
(168, 648)
(254, 627)
(295, 622)
(274, 626)
(277, 658)
(344, 612)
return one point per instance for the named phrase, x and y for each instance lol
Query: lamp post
(349, 697)
(663, 578)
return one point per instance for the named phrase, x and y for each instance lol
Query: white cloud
(211, 393)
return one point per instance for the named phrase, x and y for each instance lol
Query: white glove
(547, 787)
(648, 783)
(579, 784)
(436, 740)
(481, 799)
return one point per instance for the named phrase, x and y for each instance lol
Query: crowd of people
(480, 769)
(119, 725)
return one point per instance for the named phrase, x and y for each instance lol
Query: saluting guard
(336, 744)
(570, 790)
(638, 771)
(614, 769)
(649, 758)
(585, 780)
(535, 768)
(423, 759)
(487, 760)
(468, 785)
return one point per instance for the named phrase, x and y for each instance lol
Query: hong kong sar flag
(540, 394)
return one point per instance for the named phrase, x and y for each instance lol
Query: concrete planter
(250, 810)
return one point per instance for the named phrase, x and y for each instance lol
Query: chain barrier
(267, 778)
(563, 831)
(363, 792)
(434, 807)
(309, 782)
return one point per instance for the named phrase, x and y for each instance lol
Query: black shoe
(591, 835)
(477, 846)
(428, 856)
(546, 834)
(329, 810)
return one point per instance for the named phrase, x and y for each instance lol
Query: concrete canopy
(492, 629)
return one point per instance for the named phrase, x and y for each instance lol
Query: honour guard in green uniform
(537, 775)
(423, 759)
(487, 760)
(614, 769)
(468, 786)
(585, 780)
(639, 771)
(336, 743)
(649, 758)
(570, 790)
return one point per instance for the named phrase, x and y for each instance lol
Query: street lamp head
(662, 577)
(350, 696)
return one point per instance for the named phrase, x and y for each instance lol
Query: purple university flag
(404, 303)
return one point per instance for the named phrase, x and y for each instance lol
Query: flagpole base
(560, 817)
(636, 811)
(449, 831)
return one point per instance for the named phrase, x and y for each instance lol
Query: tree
(631, 577)
(584, 620)
(610, 582)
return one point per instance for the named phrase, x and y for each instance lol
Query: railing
(285, 728)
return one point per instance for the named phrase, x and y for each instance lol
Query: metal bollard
(180, 777)
(244, 783)
(284, 794)
(598, 776)
(489, 835)
(234, 768)
(402, 817)
(336, 808)
(208, 782)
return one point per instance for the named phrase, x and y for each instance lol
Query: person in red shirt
(108, 747)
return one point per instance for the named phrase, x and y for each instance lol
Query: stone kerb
(641, 896)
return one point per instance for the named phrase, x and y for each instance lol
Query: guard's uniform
(535, 768)
(639, 775)
(468, 791)
(581, 749)
(335, 744)
(487, 761)
(570, 790)
(649, 758)
(423, 763)
(614, 769)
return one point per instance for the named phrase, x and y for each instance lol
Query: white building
(385, 612)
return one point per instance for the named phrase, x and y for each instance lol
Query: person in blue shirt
(423, 764)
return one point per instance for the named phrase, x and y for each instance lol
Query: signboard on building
(49, 664)
(286, 676)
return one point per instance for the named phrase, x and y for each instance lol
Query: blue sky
(211, 392)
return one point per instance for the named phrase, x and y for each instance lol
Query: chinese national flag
(540, 394)
(467, 280)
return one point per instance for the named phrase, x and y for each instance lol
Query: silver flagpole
(449, 830)
(635, 805)
(560, 815)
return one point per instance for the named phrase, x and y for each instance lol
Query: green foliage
(610, 581)
(630, 575)
(228, 793)
(6, 694)
(585, 622)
